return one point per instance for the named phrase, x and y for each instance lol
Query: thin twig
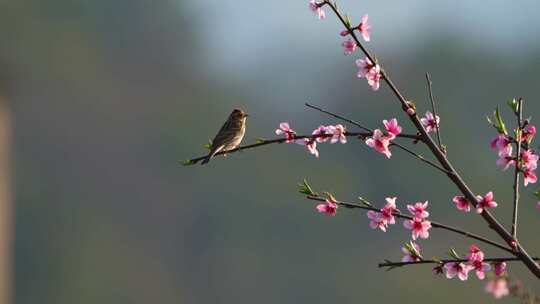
(433, 224)
(418, 156)
(421, 158)
(454, 176)
(264, 142)
(519, 117)
(432, 100)
(444, 261)
(339, 117)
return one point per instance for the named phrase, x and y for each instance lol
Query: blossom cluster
(418, 224)
(337, 133)
(482, 202)
(475, 261)
(332, 133)
(528, 159)
(381, 141)
(368, 69)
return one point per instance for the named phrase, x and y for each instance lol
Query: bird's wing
(222, 134)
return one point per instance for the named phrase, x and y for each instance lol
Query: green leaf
(347, 21)
(208, 145)
(306, 189)
(497, 122)
(454, 254)
(187, 162)
(500, 122)
(260, 140)
(537, 194)
(514, 105)
(364, 201)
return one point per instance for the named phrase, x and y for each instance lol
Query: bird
(230, 135)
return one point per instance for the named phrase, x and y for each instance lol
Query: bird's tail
(211, 154)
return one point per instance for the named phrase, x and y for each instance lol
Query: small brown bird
(230, 135)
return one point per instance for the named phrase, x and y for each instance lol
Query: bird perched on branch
(230, 135)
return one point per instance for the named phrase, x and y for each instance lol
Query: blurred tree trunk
(6, 231)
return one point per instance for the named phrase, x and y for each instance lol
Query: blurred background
(103, 98)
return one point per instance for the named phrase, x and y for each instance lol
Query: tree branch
(264, 142)
(432, 100)
(416, 137)
(444, 261)
(407, 217)
(519, 117)
(443, 160)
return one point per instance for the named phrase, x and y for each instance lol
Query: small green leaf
(187, 162)
(260, 140)
(514, 105)
(454, 254)
(306, 189)
(537, 194)
(500, 122)
(364, 201)
(208, 145)
(347, 21)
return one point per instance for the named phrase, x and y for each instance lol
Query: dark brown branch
(492, 222)
(265, 142)
(432, 100)
(444, 261)
(519, 117)
(407, 217)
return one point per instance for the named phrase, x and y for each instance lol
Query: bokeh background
(107, 96)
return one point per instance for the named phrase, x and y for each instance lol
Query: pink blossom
(462, 203)
(501, 141)
(349, 46)
(419, 227)
(372, 72)
(364, 28)
(500, 268)
(418, 210)
(365, 66)
(317, 9)
(538, 205)
(460, 269)
(377, 221)
(311, 145)
(485, 202)
(379, 142)
(387, 212)
(392, 128)
(476, 261)
(498, 288)
(374, 78)
(430, 122)
(528, 133)
(411, 255)
(338, 132)
(329, 207)
(411, 111)
(321, 130)
(285, 129)
(529, 160)
(505, 158)
(529, 177)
